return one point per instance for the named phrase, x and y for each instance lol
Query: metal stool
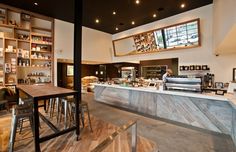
(84, 108)
(66, 109)
(19, 113)
(51, 107)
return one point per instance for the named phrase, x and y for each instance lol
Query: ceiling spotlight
(117, 28)
(182, 5)
(97, 21)
(114, 12)
(154, 15)
(132, 22)
(36, 4)
(137, 1)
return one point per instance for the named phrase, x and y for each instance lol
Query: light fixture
(137, 1)
(154, 15)
(132, 22)
(114, 12)
(36, 4)
(182, 5)
(117, 28)
(97, 20)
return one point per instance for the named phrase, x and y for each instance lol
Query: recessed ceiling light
(137, 1)
(182, 5)
(117, 28)
(154, 15)
(114, 12)
(132, 22)
(97, 20)
(36, 4)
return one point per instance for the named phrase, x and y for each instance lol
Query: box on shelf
(1, 52)
(7, 67)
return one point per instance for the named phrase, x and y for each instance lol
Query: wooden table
(44, 92)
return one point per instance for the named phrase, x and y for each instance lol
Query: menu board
(179, 36)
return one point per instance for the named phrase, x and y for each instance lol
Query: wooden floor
(67, 142)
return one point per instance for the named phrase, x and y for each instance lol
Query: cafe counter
(207, 111)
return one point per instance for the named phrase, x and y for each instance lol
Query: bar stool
(66, 109)
(51, 106)
(20, 112)
(84, 108)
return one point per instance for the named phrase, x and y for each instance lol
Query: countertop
(211, 96)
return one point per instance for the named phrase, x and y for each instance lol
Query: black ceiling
(127, 11)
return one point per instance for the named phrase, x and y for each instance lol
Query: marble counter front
(207, 111)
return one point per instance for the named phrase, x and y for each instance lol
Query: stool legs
(90, 124)
(83, 108)
(13, 133)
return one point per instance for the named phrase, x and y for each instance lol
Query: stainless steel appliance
(185, 84)
(128, 73)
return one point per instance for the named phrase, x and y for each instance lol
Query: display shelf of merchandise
(23, 33)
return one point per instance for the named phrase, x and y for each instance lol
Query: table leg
(45, 105)
(36, 127)
(77, 117)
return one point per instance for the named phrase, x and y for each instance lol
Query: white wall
(224, 19)
(96, 45)
(221, 66)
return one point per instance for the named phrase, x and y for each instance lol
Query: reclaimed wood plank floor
(67, 143)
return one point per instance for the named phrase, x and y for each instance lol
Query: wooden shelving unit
(26, 46)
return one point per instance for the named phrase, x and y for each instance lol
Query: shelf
(39, 34)
(26, 41)
(7, 26)
(41, 59)
(9, 38)
(34, 67)
(42, 29)
(10, 52)
(41, 43)
(10, 84)
(42, 51)
(13, 73)
(37, 76)
(22, 29)
(41, 67)
(23, 58)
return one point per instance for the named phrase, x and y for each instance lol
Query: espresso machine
(209, 80)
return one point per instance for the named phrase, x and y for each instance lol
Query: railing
(108, 141)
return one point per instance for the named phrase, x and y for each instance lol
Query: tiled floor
(169, 137)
